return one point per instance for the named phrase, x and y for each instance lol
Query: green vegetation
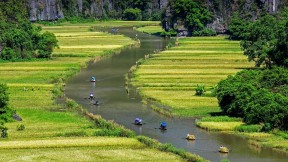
(264, 40)
(19, 39)
(156, 30)
(257, 97)
(50, 131)
(168, 147)
(190, 14)
(170, 77)
(132, 14)
(5, 110)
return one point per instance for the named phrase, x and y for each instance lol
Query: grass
(156, 30)
(56, 132)
(170, 77)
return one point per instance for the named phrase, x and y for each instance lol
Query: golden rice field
(170, 77)
(81, 149)
(53, 132)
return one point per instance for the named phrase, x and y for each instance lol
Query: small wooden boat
(190, 137)
(223, 149)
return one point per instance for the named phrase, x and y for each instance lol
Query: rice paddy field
(170, 77)
(151, 29)
(51, 131)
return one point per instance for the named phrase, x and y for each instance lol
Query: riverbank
(51, 131)
(170, 78)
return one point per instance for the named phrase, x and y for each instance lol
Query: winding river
(123, 108)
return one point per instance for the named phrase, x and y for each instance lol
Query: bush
(3, 131)
(200, 90)
(6, 112)
(170, 33)
(20, 127)
(204, 32)
(132, 14)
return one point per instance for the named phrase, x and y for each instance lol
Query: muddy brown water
(116, 104)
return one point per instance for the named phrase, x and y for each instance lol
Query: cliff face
(45, 10)
(57, 9)
(222, 9)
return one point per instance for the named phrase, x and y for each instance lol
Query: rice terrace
(169, 80)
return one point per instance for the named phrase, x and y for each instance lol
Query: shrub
(170, 33)
(204, 32)
(200, 89)
(132, 14)
(3, 131)
(20, 127)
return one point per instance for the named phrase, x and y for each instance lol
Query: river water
(116, 104)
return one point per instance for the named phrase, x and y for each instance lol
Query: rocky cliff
(221, 9)
(57, 9)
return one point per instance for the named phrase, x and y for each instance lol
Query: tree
(46, 45)
(265, 41)
(19, 38)
(192, 13)
(256, 96)
(5, 111)
(238, 27)
(132, 14)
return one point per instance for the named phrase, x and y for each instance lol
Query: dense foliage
(5, 111)
(264, 40)
(258, 96)
(19, 39)
(132, 14)
(190, 14)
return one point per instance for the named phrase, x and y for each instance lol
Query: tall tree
(265, 41)
(192, 13)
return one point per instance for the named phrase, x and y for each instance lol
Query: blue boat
(93, 79)
(138, 121)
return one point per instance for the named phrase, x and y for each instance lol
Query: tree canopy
(5, 110)
(19, 38)
(264, 40)
(193, 14)
(258, 96)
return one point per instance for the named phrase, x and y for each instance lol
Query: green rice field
(170, 77)
(151, 29)
(54, 132)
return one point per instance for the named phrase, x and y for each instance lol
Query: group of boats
(163, 125)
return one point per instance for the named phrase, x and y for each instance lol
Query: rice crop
(151, 29)
(56, 132)
(219, 126)
(75, 41)
(170, 77)
(81, 149)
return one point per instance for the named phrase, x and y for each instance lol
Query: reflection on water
(122, 107)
